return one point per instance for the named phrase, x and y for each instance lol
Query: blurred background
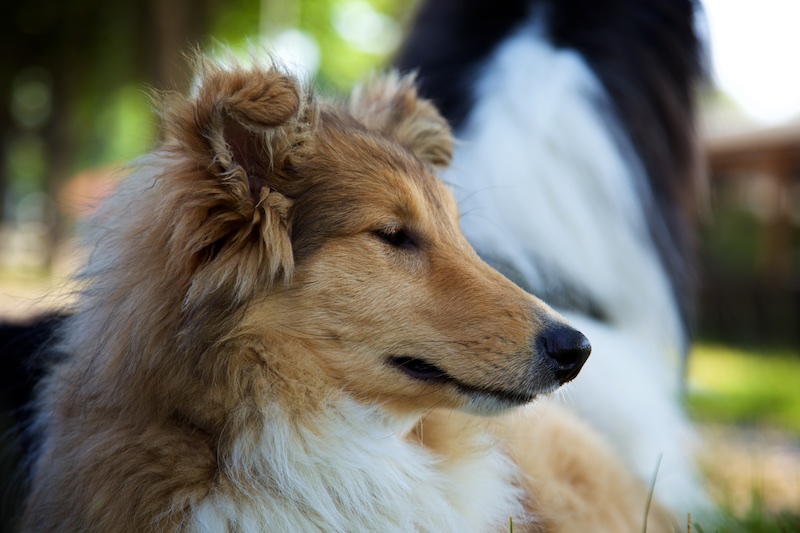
(75, 83)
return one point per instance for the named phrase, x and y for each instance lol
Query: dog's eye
(395, 236)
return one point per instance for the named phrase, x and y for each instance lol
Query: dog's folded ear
(236, 141)
(390, 105)
(244, 122)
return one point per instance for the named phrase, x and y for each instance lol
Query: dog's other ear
(390, 105)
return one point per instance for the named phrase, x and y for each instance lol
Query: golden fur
(229, 366)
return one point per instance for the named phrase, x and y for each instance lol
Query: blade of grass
(650, 494)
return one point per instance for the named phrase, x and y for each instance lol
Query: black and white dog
(577, 177)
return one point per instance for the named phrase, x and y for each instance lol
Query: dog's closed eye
(396, 237)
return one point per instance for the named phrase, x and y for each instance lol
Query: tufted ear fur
(389, 104)
(237, 139)
(247, 121)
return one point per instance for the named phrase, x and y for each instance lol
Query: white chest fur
(351, 470)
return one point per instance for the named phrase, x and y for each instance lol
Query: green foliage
(235, 22)
(754, 520)
(352, 37)
(753, 387)
(758, 521)
(77, 89)
(733, 239)
(734, 385)
(27, 162)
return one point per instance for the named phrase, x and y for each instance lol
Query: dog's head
(328, 233)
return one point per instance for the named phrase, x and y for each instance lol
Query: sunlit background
(754, 51)
(76, 79)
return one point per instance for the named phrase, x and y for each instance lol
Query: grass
(745, 387)
(754, 520)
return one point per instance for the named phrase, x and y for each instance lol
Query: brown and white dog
(283, 328)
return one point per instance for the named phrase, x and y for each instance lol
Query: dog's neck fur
(352, 467)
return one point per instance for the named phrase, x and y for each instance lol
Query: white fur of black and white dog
(577, 177)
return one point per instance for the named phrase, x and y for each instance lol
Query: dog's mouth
(421, 370)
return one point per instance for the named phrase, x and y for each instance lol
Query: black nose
(568, 348)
